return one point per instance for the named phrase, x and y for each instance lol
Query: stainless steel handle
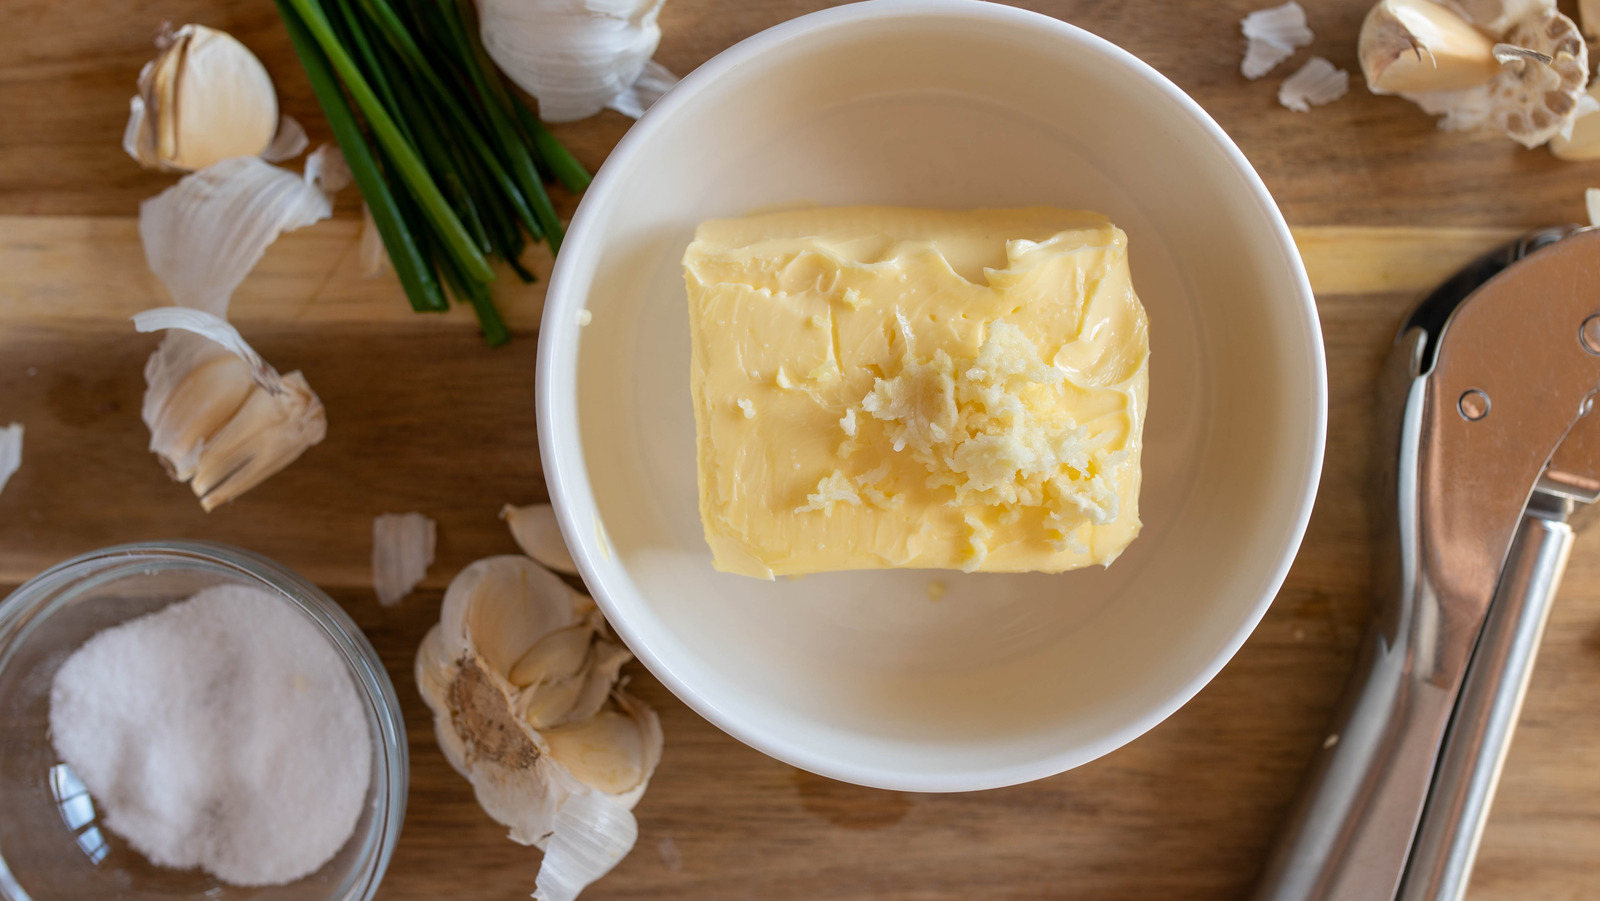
(1350, 833)
(1491, 698)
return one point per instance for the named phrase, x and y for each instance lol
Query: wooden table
(423, 417)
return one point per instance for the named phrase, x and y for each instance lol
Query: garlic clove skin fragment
(1418, 45)
(223, 425)
(10, 452)
(204, 99)
(567, 785)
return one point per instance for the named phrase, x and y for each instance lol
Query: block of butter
(885, 387)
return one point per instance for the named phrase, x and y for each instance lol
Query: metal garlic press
(1490, 450)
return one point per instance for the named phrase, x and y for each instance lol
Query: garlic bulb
(578, 56)
(10, 452)
(220, 418)
(1516, 66)
(402, 551)
(522, 677)
(204, 99)
(537, 533)
(203, 235)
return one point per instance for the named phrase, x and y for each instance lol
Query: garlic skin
(10, 452)
(1271, 36)
(1313, 84)
(578, 57)
(204, 99)
(539, 535)
(220, 417)
(1534, 93)
(522, 679)
(203, 235)
(402, 550)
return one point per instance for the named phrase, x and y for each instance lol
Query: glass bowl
(51, 842)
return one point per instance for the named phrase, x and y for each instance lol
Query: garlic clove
(605, 751)
(560, 654)
(575, 58)
(204, 99)
(498, 607)
(1419, 45)
(539, 535)
(10, 452)
(605, 666)
(1591, 202)
(402, 550)
(203, 235)
(550, 703)
(205, 432)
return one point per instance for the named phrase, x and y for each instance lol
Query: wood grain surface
(424, 418)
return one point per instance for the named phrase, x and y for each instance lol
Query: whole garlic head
(522, 677)
(205, 98)
(1516, 66)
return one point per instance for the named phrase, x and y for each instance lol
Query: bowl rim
(566, 471)
(21, 609)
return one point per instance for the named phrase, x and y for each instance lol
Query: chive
(477, 294)
(410, 168)
(563, 165)
(522, 167)
(415, 274)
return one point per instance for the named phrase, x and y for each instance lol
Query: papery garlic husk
(204, 99)
(569, 785)
(1316, 83)
(1271, 36)
(203, 235)
(220, 417)
(539, 535)
(10, 452)
(577, 57)
(402, 550)
(1419, 45)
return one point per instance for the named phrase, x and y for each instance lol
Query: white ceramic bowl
(1006, 678)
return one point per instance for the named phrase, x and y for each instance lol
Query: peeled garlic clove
(204, 99)
(225, 454)
(575, 58)
(539, 535)
(560, 654)
(203, 235)
(402, 551)
(1418, 45)
(10, 452)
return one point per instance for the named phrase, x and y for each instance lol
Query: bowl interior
(864, 676)
(52, 843)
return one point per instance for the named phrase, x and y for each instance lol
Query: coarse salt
(222, 732)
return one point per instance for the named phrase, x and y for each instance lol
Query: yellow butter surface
(885, 387)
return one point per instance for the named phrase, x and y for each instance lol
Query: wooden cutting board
(423, 417)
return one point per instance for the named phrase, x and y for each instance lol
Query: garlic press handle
(1491, 698)
(1350, 833)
